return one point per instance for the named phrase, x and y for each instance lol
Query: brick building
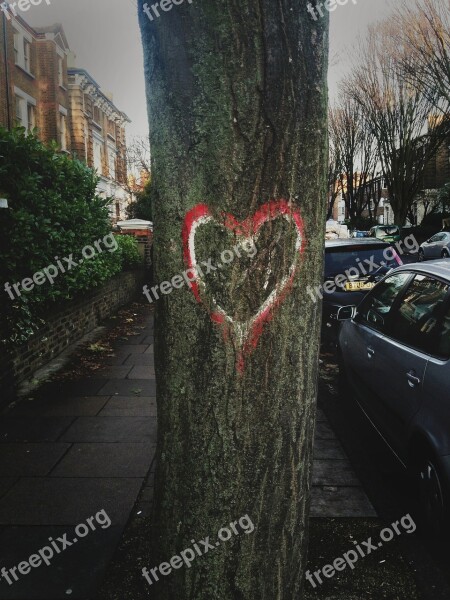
(38, 89)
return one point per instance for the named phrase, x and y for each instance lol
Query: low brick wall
(66, 325)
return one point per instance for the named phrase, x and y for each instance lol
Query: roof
(355, 242)
(439, 268)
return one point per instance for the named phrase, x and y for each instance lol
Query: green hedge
(54, 212)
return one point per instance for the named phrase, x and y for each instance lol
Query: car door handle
(370, 352)
(413, 380)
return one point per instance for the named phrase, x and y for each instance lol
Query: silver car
(437, 246)
(394, 352)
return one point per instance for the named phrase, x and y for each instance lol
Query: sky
(105, 37)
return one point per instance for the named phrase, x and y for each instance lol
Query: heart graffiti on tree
(244, 333)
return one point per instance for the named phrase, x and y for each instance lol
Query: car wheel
(432, 504)
(421, 255)
(445, 253)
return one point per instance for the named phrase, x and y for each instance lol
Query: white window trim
(26, 99)
(25, 96)
(62, 110)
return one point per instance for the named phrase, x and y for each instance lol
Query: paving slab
(61, 407)
(68, 501)
(328, 449)
(142, 372)
(150, 349)
(126, 406)
(106, 460)
(339, 501)
(334, 472)
(112, 372)
(32, 429)
(127, 349)
(129, 387)
(74, 573)
(112, 429)
(324, 431)
(71, 389)
(141, 359)
(149, 339)
(26, 460)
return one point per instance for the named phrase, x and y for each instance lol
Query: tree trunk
(238, 118)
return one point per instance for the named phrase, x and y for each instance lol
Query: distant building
(98, 137)
(66, 105)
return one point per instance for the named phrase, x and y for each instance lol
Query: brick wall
(65, 326)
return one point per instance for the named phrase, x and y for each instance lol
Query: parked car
(369, 260)
(360, 234)
(394, 352)
(386, 233)
(437, 246)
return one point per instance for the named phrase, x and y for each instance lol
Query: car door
(432, 248)
(361, 340)
(405, 351)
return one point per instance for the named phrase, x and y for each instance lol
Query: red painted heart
(245, 334)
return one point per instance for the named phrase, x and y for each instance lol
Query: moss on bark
(237, 108)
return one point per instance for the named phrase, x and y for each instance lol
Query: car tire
(421, 255)
(431, 497)
(445, 253)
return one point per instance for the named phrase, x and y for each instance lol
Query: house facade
(40, 88)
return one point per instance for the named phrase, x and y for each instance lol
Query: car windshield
(363, 258)
(383, 231)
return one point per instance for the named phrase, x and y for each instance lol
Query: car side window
(375, 309)
(443, 337)
(416, 322)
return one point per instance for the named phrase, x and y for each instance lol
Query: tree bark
(237, 104)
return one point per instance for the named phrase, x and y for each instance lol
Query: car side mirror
(345, 313)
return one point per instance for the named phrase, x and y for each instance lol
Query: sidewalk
(80, 448)
(86, 446)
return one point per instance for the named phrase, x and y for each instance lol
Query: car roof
(355, 242)
(439, 268)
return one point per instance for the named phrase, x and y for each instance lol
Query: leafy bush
(54, 212)
(129, 253)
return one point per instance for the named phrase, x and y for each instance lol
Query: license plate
(356, 286)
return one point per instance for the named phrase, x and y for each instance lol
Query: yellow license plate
(356, 286)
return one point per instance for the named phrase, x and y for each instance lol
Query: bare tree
(423, 31)
(334, 170)
(402, 118)
(354, 143)
(139, 157)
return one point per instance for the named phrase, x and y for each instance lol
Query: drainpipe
(5, 51)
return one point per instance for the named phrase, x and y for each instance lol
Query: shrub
(129, 253)
(54, 212)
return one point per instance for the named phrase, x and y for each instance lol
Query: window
(376, 308)
(18, 116)
(22, 51)
(17, 38)
(62, 132)
(416, 321)
(97, 115)
(60, 71)
(98, 156)
(25, 110)
(111, 128)
(27, 55)
(112, 163)
(439, 237)
(31, 114)
(443, 336)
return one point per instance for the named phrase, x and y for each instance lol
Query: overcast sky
(104, 35)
